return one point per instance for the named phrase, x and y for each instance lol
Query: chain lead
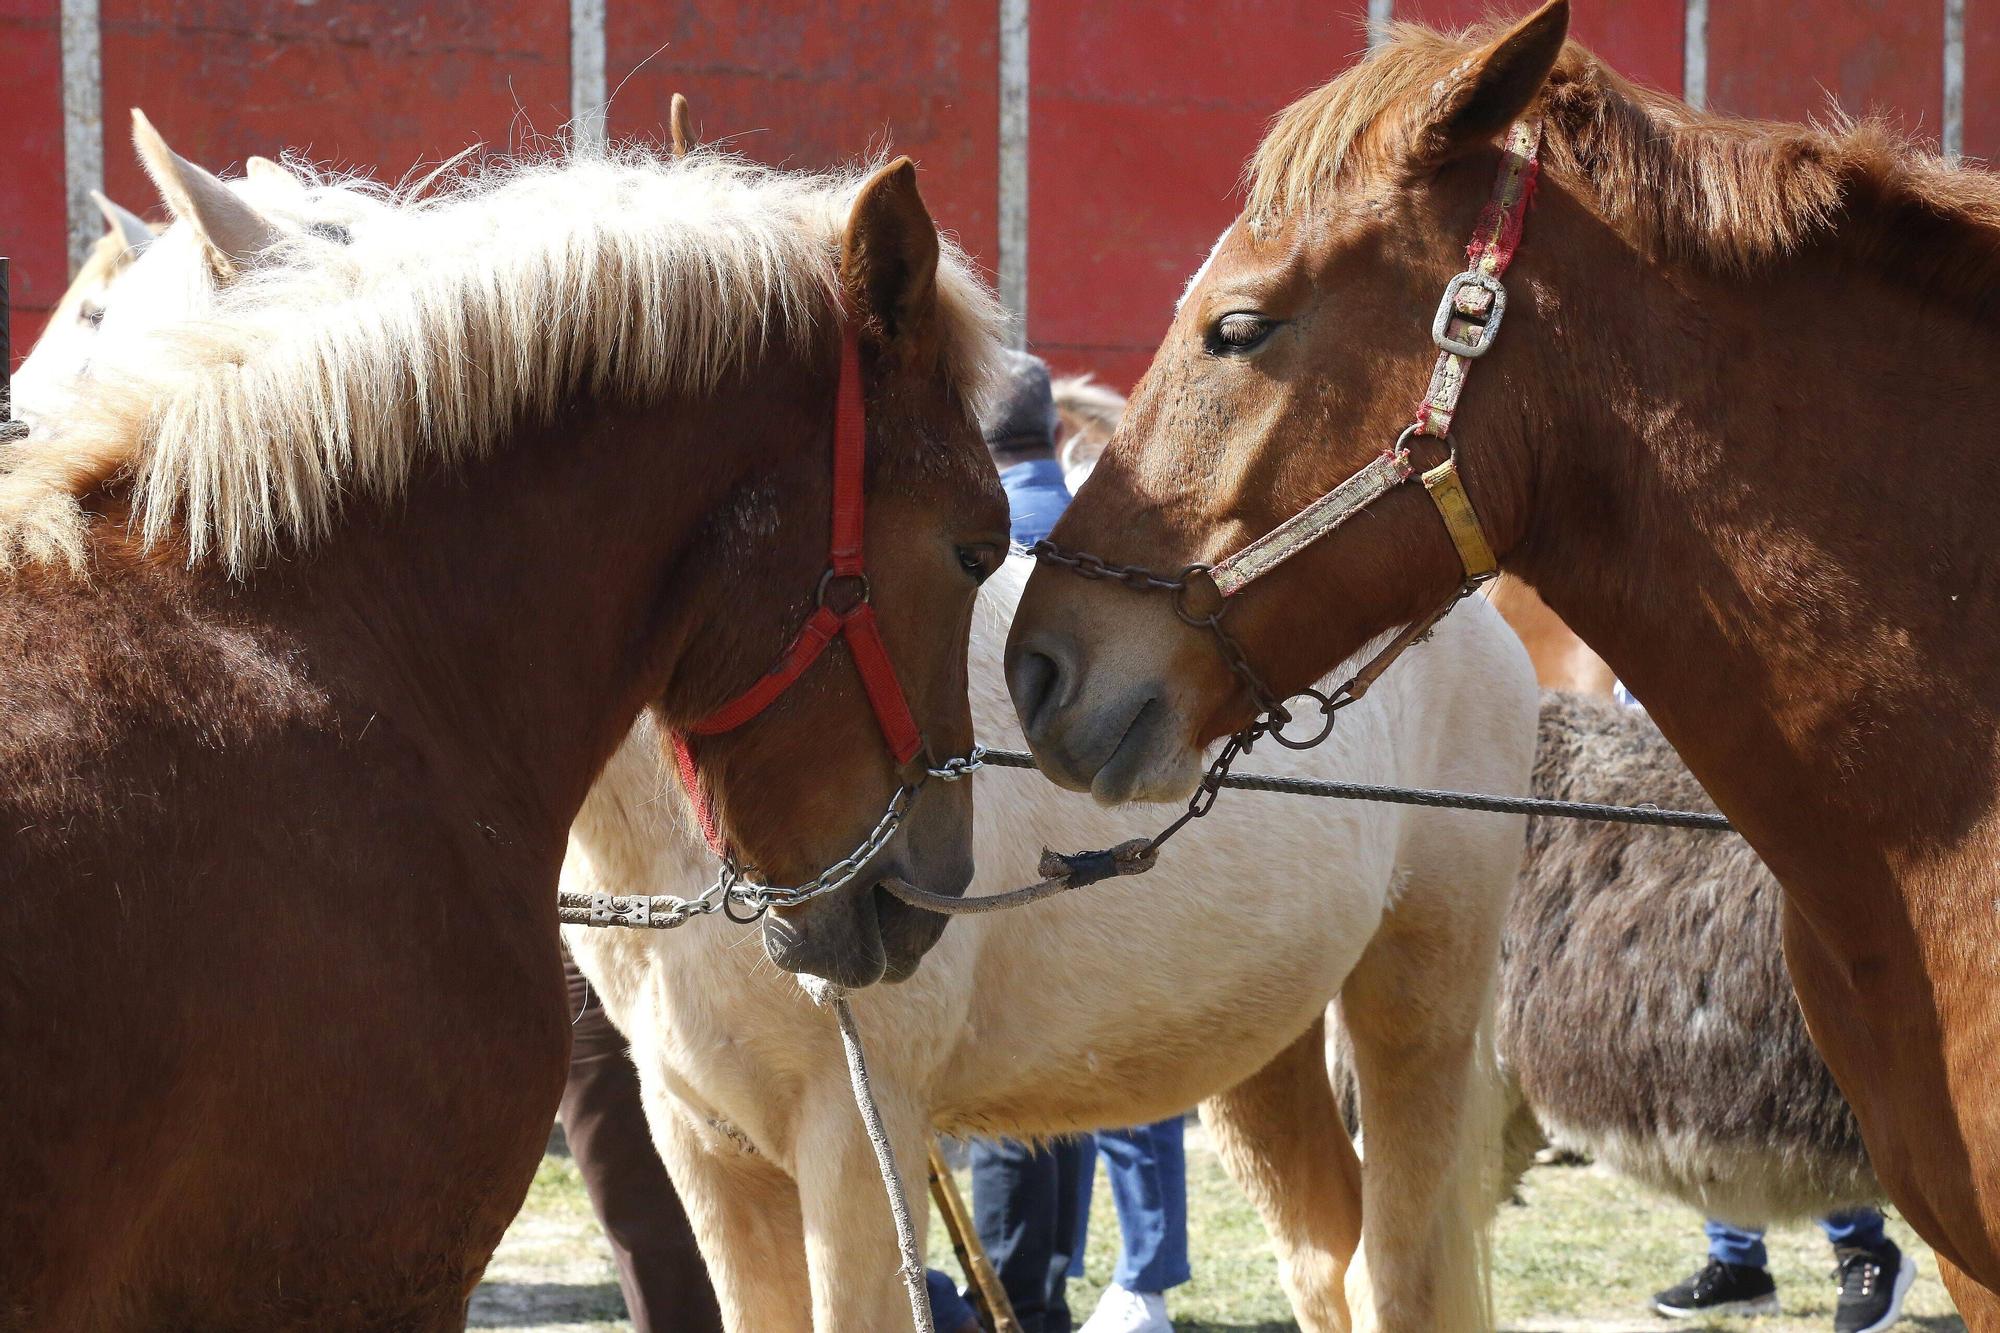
(734, 891)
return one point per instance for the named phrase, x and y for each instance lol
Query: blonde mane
(1725, 193)
(441, 325)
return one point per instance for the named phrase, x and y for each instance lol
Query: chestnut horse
(318, 626)
(1089, 412)
(1723, 434)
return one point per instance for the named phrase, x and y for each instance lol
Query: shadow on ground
(534, 1304)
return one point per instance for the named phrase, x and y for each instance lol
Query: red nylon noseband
(856, 624)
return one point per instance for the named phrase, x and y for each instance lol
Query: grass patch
(1581, 1253)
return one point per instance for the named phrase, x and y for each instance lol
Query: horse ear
(1489, 91)
(231, 230)
(266, 172)
(889, 257)
(128, 226)
(677, 124)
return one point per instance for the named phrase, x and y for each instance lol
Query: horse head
(1292, 362)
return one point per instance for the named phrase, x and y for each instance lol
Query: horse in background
(1118, 1004)
(64, 345)
(1087, 413)
(297, 603)
(221, 232)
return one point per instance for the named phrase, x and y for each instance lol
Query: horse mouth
(907, 933)
(868, 936)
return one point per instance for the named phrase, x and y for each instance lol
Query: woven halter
(1467, 319)
(843, 611)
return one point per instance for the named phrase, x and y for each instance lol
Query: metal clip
(620, 910)
(1463, 300)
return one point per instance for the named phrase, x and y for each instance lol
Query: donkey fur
(1646, 1016)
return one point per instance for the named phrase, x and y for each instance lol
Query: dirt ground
(1579, 1254)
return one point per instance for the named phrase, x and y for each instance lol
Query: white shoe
(1122, 1311)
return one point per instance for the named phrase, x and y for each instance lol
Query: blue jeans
(1860, 1229)
(949, 1310)
(1148, 1170)
(1024, 1207)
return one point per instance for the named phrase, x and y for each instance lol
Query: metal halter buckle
(1462, 301)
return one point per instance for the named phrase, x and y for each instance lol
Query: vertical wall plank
(33, 216)
(1982, 80)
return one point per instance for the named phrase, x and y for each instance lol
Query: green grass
(1580, 1254)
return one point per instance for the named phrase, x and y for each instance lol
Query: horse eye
(1239, 332)
(978, 561)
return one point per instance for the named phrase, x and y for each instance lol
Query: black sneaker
(1720, 1288)
(1872, 1286)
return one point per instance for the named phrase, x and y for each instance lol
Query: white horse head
(138, 281)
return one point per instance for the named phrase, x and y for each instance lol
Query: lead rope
(912, 1268)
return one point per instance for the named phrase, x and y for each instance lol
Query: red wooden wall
(815, 82)
(32, 207)
(1140, 115)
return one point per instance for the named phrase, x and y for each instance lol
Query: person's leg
(1076, 1160)
(1872, 1274)
(1147, 1167)
(1085, 1170)
(1740, 1246)
(1735, 1280)
(660, 1269)
(1017, 1198)
(950, 1312)
(1860, 1229)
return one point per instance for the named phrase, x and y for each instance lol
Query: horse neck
(525, 610)
(1759, 504)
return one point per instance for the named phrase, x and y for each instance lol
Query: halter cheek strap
(856, 623)
(1467, 319)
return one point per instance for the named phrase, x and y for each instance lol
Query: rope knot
(1133, 857)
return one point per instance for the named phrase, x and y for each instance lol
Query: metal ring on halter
(1327, 708)
(826, 581)
(729, 910)
(1417, 428)
(1183, 585)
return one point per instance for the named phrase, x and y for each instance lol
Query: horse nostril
(1038, 679)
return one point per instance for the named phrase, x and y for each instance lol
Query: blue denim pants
(1024, 1208)
(1147, 1167)
(1860, 1229)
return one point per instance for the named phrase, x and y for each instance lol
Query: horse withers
(317, 630)
(1721, 433)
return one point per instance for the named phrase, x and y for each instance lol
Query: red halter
(856, 624)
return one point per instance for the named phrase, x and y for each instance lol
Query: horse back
(251, 982)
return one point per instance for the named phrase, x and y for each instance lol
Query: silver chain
(664, 911)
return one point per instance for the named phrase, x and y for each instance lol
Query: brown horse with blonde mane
(1731, 435)
(316, 631)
